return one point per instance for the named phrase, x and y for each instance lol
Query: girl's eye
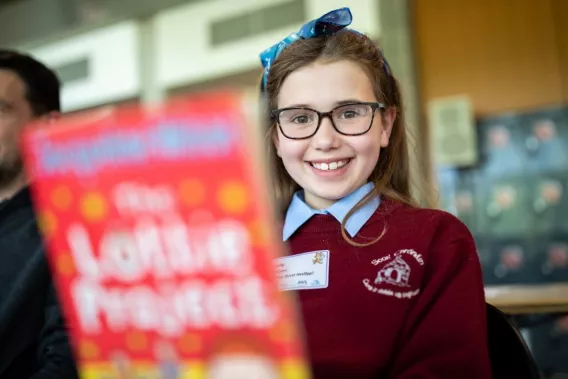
(298, 116)
(353, 111)
(301, 119)
(349, 114)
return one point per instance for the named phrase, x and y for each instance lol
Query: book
(161, 237)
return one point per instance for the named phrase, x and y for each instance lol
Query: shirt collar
(299, 212)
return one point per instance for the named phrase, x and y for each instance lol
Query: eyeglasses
(352, 119)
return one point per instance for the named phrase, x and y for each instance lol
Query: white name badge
(306, 271)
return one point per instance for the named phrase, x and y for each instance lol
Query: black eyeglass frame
(275, 114)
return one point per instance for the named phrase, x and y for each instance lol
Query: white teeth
(330, 166)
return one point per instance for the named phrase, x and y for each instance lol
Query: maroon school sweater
(409, 306)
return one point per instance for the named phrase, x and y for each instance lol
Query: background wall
(560, 14)
(506, 54)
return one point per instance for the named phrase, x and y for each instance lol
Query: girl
(387, 290)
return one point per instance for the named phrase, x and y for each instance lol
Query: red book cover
(160, 235)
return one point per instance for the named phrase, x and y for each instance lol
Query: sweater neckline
(326, 223)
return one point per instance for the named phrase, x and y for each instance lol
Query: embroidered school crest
(394, 274)
(397, 273)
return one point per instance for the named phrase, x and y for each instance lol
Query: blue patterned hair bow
(328, 24)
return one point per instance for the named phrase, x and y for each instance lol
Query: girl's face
(329, 165)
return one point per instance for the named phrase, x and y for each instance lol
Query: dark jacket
(33, 338)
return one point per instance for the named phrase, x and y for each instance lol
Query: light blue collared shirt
(299, 212)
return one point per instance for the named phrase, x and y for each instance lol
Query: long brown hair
(391, 175)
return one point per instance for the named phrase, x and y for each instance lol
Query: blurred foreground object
(160, 235)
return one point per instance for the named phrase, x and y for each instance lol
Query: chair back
(510, 355)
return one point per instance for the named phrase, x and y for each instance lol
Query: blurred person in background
(33, 337)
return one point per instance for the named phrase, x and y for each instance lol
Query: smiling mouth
(330, 166)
